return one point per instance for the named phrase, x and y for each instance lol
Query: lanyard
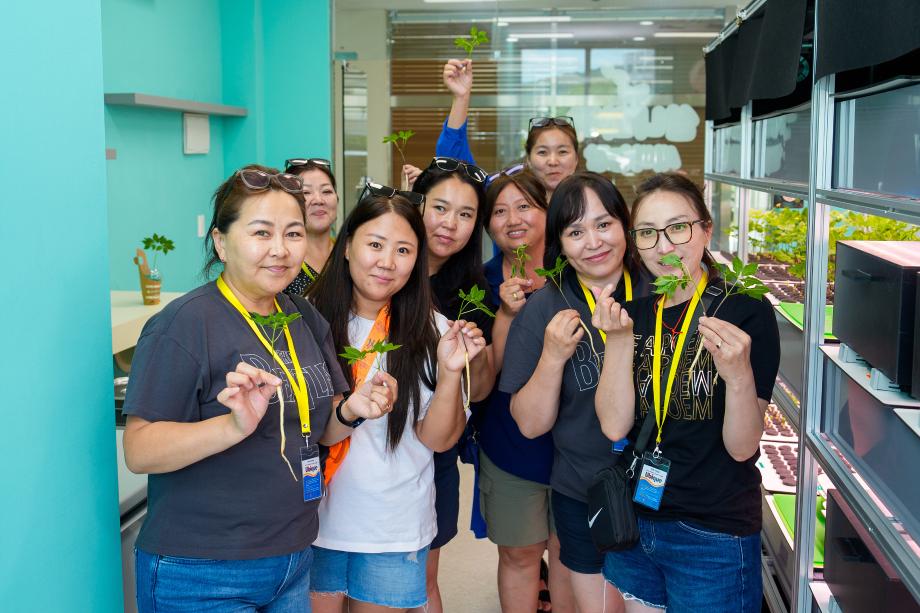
(299, 386)
(589, 297)
(661, 412)
(379, 332)
(306, 270)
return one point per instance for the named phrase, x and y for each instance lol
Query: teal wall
(271, 56)
(59, 537)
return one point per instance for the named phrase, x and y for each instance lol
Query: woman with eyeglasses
(378, 519)
(452, 214)
(699, 544)
(234, 484)
(322, 206)
(552, 362)
(551, 150)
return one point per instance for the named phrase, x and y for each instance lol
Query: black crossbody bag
(611, 515)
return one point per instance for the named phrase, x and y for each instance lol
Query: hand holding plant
(521, 257)
(248, 392)
(470, 302)
(476, 38)
(277, 323)
(399, 140)
(554, 274)
(458, 77)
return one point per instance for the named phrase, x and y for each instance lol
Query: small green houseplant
(276, 323)
(151, 279)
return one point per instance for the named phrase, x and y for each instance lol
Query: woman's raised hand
(562, 335)
(375, 398)
(453, 351)
(512, 293)
(730, 347)
(248, 392)
(412, 173)
(458, 77)
(609, 315)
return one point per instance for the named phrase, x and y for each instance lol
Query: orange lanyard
(379, 332)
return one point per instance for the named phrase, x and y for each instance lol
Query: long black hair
(464, 268)
(412, 322)
(568, 205)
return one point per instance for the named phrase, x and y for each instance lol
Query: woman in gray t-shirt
(234, 479)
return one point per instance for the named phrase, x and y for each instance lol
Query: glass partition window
(877, 143)
(781, 148)
(728, 150)
(724, 205)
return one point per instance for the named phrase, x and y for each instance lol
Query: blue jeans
(278, 584)
(688, 569)
(395, 580)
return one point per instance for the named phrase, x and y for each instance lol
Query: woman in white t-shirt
(378, 517)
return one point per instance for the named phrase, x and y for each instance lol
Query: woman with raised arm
(552, 362)
(699, 524)
(322, 207)
(378, 519)
(225, 410)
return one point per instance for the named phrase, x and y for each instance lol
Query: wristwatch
(338, 415)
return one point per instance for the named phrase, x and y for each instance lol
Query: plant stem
(584, 327)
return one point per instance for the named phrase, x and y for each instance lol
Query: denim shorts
(279, 584)
(687, 568)
(394, 580)
(576, 549)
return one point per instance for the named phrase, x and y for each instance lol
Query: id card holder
(619, 446)
(652, 477)
(311, 472)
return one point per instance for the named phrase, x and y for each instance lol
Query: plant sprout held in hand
(353, 355)
(521, 257)
(476, 38)
(554, 274)
(277, 322)
(399, 140)
(470, 302)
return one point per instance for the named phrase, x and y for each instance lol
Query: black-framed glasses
(542, 122)
(451, 164)
(259, 180)
(297, 163)
(385, 191)
(677, 233)
(510, 172)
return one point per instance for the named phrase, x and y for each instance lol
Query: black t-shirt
(704, 485)
(580, 449)
(241, 503)
(302, 281)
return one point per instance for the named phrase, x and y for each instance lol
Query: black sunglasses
(385, 191)
(542, 122)
(475, 173)
(510, 172)
(306, 163)
(258, 180)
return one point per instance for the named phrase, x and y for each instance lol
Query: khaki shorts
(517, 511)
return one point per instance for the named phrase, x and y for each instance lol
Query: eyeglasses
(677, 233)
(385, 191)
(258, 180)
(306, 162)
(542, 122)
(510, 172)
(451, 164)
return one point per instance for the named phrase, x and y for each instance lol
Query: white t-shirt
(381, 501)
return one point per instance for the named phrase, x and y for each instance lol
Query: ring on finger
(514, 295)
(719, 345)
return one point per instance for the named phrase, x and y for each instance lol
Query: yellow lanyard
(662, 412)
(589, 297)
(299, 386)
(306, 270)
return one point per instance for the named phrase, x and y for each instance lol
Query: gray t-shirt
(580, 448)
(241, 503)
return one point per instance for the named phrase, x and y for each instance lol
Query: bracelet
(338, 414)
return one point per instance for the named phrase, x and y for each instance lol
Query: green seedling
(470, 302)
(554, 274)
(354, 355)
(399, 140)
(158, 244)
(521, 257)
(277, 323)
(468, 44)
(666, 285)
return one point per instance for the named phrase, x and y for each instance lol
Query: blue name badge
(312, 473)
(652, 477)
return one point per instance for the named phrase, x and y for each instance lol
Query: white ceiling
(493, 5)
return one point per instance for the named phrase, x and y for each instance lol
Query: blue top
(453, 143)
(499, 435)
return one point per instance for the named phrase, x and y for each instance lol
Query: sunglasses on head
(259, 180)
(476, 173)
(510, 172)
(542, 122)
(385, 191)
(296, 163)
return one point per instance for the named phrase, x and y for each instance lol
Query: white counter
(129, 314)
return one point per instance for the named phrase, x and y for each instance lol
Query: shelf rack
(174, 104)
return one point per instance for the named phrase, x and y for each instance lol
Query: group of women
(242, 384)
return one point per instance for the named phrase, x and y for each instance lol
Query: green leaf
(381, 347)
(353, 355)
(749, 268)
(672, 260)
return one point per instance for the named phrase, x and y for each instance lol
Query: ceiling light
(501, 24)
(646, 23)
(512, 39)
(545, 35)
(638, 39)
(686, 34)
(536, 19)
